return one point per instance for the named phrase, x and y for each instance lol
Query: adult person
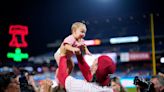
(96, 77)
(116, 84)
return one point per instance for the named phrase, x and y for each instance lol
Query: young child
(72, 44)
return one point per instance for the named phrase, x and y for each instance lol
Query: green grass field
(131, 89)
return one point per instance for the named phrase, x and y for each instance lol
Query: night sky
(50, 20)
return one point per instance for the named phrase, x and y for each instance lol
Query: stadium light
(92, 42)
(129, 39)
(162, 60)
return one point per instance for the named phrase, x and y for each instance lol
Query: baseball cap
(105, 66)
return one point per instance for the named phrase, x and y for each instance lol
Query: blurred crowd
(21, 80)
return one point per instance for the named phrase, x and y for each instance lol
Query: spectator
(158, 82)
(116, 85)
(45, 86)
(9, 83)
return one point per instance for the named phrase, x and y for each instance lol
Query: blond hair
(78, 25)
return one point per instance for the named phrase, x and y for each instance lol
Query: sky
(50, 20)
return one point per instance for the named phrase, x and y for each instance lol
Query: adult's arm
(62, 70)
(84, 67)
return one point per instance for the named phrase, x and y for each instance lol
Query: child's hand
(76, 51)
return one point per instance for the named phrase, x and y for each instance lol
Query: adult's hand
(45, 85)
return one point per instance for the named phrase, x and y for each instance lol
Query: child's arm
(68, 42)
(68, 47)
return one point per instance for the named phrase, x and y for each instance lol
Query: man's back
(77, 85)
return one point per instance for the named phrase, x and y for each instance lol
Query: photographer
(156, 84)
(26, 81)
(9, 83)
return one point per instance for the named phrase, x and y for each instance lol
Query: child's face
(79, 32)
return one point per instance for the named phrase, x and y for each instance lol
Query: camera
(24, 85)
(23, 80)
(145, 86)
